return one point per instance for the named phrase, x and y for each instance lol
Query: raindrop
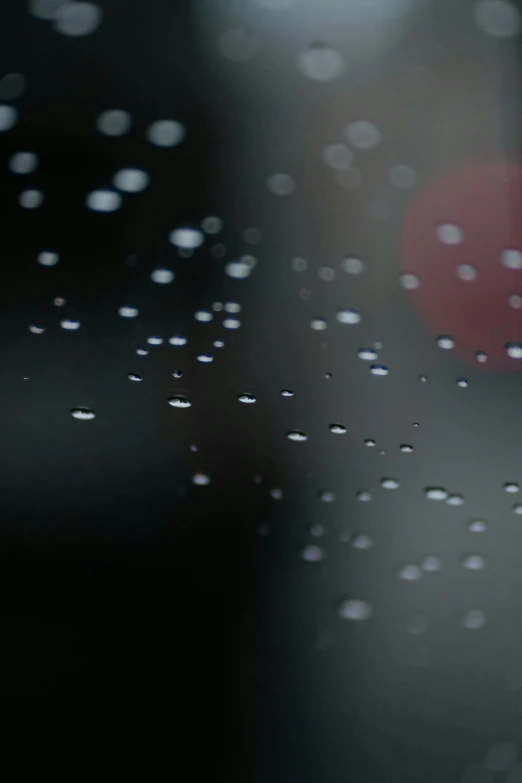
(474, 620)
(369, 442)
(473, 562)
(193, 447)
(59, 301)
(316, 530)
(352, 265)
(406, 448)
(133, 377)
(204, 316)
(8, 117)
(142, 352)
(318, 324)
(320, 62)
(280, 184)
(299, 264)
(48, 258)
(201, 479)
(455, 500)
(36, 329)
(348, 316)
(154, 340)
(449, 234)
(23, 162)
(231, 323)
(326, 273)
(517, 509)
(389, 483)
(363, 135)
(162, 276)
(114, 122)
(409, 282)
(477, 526)
(313, 553)
(402, 176)
(367, 354)
(436, 493)
(103, 200)
(177, 374)
(354, 609)
(511, 487)
(252, 236)
(212, 225)
(497, 18)
(131, 180)
(431, 564)
(239, 45)
(239, 270)
(511, 258)
(70, 324)
(77, 19)
(297, 435)
(218, 344)
(445, 342)
(514, 350)
(128, 312)
(362, 541)
(337, 429)
(287, 393)
(378, 369)
(410, 572)
(83, 414)
(31, 199)
(337, 156)
(204, 358)
(179, 402)
(188, 238)
(276, 493)
(466, 272)
(248, 398)
(166, 133)
(423, 378)
(177, 339)
(515, 301)
(326, 496)
(232, 307)
(463, 383)
(364, 496)
(481, 356)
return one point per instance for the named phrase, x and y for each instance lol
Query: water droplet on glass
(436, 493)
(378, 369)
(48, 258)
(59, 301)
(455, 500)
(76, 19)
(133, 377)
(231, 323)
(369, 442)
(313, 553)
(131, 180)
(162, 276)
(36, 329)
(337, 429)
(515, 301)
(280, 184)
(474, 620)
(477, 526)
(299, 264)
(205, 358)
(248, 398)
(517, 509)
(449, 234)
(362, 541)
(511, 486)
(402, 176)
(326, 273)
(103, 200)
(514, 350)
(177, 401)
(352, 265)
(348, 316)
(201, 479)
(320, 62)
(154, 340)
(177, 374)
(69, 324)
(409, 282)
(297, 435)
(276, 493)
(431, 564)
(406, 448)
(188, 238)
(367, 354)
(481, 356)
(177, 339)
(114, 122)
(142, 352)
(218, 344)
(204, 316)
(363, 135)
(316, 530)
(326, 496)
(389, 483)
(463, 383)
(31, 199)
(23, 162)
(473, 562)
(166, 133)
(287, 393)
(318, 324)
(83, 414)
(337, 156)
(8, 117)
(466, 272)
(212, 225)
(410, 572)
(497, 18)
(511, 259)
(354, 609)
(364, 496)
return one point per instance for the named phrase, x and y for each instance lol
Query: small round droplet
(474, 620)
(313, 553)
(466, 273)
(369, 442)
(128, 312)
(142, 352)
(409, 282)
(402, 176)
(31, 199)
(326, 496)
(515, 301)
(363, 135)
(481, 357)
(166, 133)
(239, 270)
(423, 378)
(348, 316)
(517, 509)
(36, 329)
(231, 323)
(406, 448)
(477, 526)
(59, 301)
(48, 258)
(445, 342)
(410, 572)
(248, 398)
(337, 429)
(212, 225)
(76, 19)
(205, 358)
(354, 609)
(362, 541)
(69, 324)
(218, 344)
(378, 369)
(352, 265)
(449, 234)
(511, 258)
(320, 62)
(177, 339)
(276, 493)
(326, 273)
(318, 324)
(280, 184)
(474, 562)
(201, 479)
(114, 122)
(337, 156)
(131, 180)
(103, 200)
(462, 383)
(8, 117)
(497, 18)
(436, 493)
(203, 316)
(133, 377)
(187, 238)
(287, 393)
(297, 435)
(367, 354)
(514, 350)
(83, 414)
(177, 374)
(364, 496)
(316, 530)
(431, 564)
(23, 162)
(390, 483)
(455, 500)
(511, 487)
(162, 276)
(299, 264)
(154, 339)
(232, 307)
(179, 402)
